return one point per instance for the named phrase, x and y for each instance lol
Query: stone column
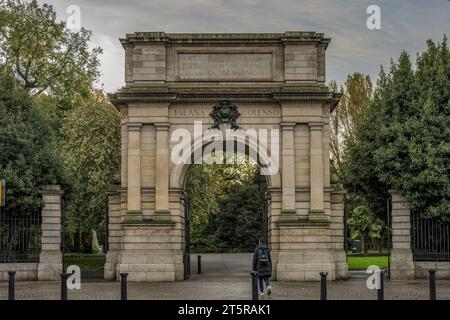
(402, 265)
(134, 210)
(162, 213)
(337, 232)
(50, 259)
(288, 212)
(114, 233)
(316, 212)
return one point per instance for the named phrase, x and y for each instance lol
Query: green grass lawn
(86, 262)
(361, 263)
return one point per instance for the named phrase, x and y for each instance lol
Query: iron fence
(20, 237)
(430, 238)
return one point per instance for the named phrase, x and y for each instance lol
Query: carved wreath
(225, 112)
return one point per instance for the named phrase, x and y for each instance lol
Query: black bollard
(380, 291)
(11, 285)
(64, 277)
(123, 286)
(323, 285)
(254, 285)
(199, 264)
(432, 274)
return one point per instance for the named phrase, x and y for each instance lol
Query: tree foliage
(226, 207)
(27, 155)
(403, 142)
(91, 158)
(356, 95)
(44, 54)
(366, 226)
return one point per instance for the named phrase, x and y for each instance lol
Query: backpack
(263, 256)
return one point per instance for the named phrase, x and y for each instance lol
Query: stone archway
(179, 173)
(274, 82)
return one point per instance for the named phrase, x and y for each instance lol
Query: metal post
(323, 285)
(432, 274)
(254, 285)
(199, 264)
(11, 285)
(64, 277)
(123, 286)
(380, 291)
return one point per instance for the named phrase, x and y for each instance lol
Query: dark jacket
(264, 270)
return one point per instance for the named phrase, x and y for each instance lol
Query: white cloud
(405, 25)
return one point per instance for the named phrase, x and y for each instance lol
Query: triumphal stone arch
(187, 92)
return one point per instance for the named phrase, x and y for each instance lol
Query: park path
(222, 267)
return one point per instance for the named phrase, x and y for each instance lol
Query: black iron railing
(20, 237)
(430, 238)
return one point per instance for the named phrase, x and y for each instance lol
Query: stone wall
(50, 263)
(24, 271)
(402, 265)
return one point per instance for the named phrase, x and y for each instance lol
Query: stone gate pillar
(50, 260)
(114, 233)
(402, 265)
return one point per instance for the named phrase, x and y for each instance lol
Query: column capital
(162, 125)
(287, 125)
(134, 126)
(51, 189)
(315, 125)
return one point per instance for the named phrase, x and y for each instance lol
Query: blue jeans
(263, 281)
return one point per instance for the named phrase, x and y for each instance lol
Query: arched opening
(226, 209)
(226, 213)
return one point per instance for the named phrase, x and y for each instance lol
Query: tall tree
(356, 94)
(403, 141)
(44, 54)
(91, 157)
(27, 156)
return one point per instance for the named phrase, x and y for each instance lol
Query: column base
(133, 216)
(402, 265)
(162, 216)
(340, 260)
(149, 254)
(110, 268)
(303, 265)
(318, 215)
(50, 266)
(288, 216)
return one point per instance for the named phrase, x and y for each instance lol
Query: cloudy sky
(405, 24)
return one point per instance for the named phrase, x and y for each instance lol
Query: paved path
(226, 277)
(222, 267)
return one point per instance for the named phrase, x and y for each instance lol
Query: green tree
(91, 158)
(226, 204)
(364, 225)
(44, 54)
(241, 220)
(403, 141)
(356, 95)
(27, 157)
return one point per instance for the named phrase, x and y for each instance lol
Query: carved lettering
(221, 66)
(259, 112)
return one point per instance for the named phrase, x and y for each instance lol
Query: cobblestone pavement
(226, 277)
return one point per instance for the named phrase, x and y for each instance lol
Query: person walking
(262, 263)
